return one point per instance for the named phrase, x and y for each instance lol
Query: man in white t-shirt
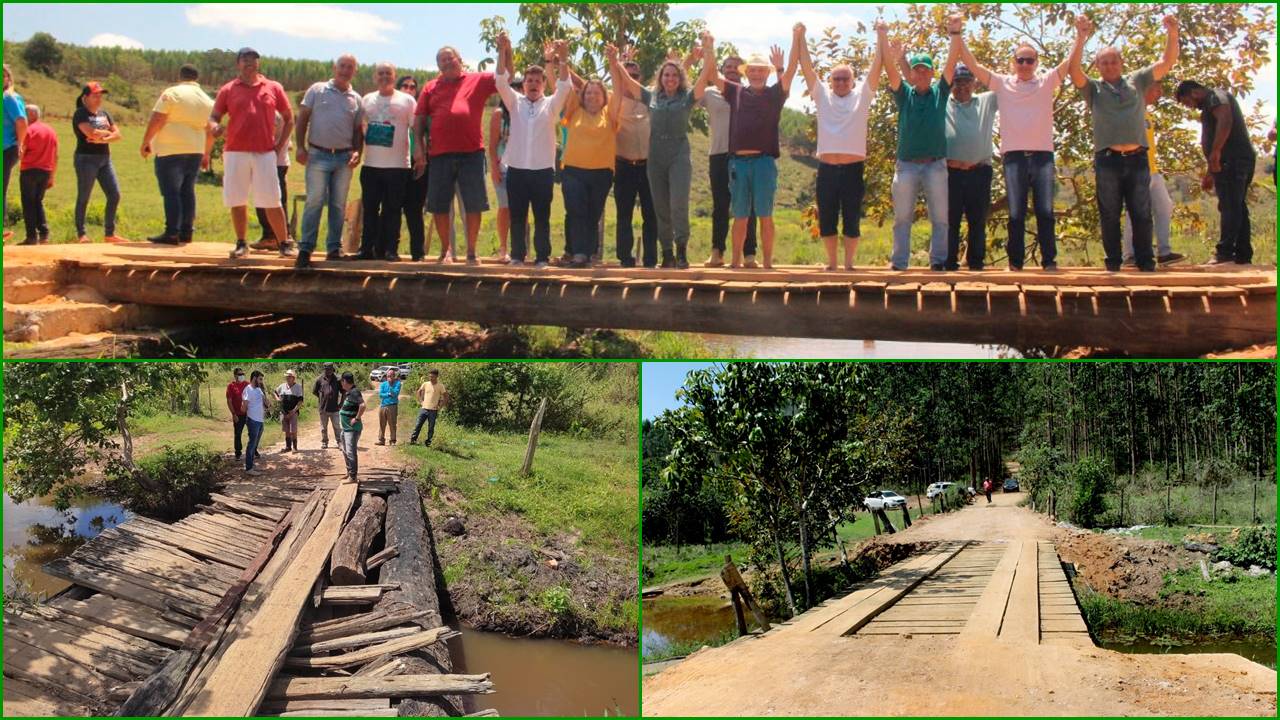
(255, 402)
(842, 144)
(388, 115)
(1026, 139)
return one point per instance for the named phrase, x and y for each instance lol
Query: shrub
(42, 53)
(1255, 546)
(1090, 478)
(165, 486)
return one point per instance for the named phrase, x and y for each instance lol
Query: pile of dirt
(1124, 568)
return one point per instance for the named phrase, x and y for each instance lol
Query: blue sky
(405, 34)
(659, 384)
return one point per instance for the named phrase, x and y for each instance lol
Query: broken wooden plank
(377, 559)
(354, 641)
(419, 639)
(354, 594)
(284, 706)
(397, 686)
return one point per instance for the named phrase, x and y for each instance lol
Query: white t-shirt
(253, 403)
(842, 121)
(1026, 111)
(532, 142)
(386, 135)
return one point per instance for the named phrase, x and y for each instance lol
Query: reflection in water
(35, 533)
(550, 677)
(776, 348)
(1258, 651)
(675, 620)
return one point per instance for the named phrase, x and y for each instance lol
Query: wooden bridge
(268, 601)
(1184, 312)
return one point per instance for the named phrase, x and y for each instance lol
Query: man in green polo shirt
(922, 149)
(1117, 102)
(350, 413)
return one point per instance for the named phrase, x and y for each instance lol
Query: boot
(682, 257)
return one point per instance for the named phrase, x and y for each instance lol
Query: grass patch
(682, 648)
(1236, 606)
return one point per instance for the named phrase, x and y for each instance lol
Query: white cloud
(312, 21)
(114, 40)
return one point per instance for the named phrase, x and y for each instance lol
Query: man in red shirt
(39, 160)
(235, 404)
(249, 155)
(453, 106)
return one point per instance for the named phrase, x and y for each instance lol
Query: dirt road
(805, 668)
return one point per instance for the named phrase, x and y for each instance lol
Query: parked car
(937, 489)
(1011, 485)
(884, 500)
(404, 369)
(380, 374)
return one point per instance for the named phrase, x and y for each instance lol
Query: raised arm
(806, 60)
(615, 104)
(710, 73)
(955, 26)
(1074, 63)
(502, 81)
(787, 76)
(877, 62)
(622, 82)
(1171, 49)
(953, 53)
(564, 87)
(893, 64)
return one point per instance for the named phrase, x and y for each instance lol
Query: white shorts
(248, 172)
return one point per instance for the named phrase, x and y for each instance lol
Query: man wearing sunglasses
(1026, 139)
(631, 178)
(1118, 104)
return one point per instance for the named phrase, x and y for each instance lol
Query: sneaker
(381, 442)
(1050, 267)
(1015, 268)
(1219, 261)
(254, 473)
(1129, 263)
(668, 263)
(541, 264)
(288, 250)
(1171, 258)
(333, 255)
(391, 257)
(578, 261)
(185, 238)
(630, 263)
(899, 269)
(303, 262)
(30, 241)
(515, 262)
(163, 239)
(265, 244)
(393, 442)
(114, 239)
(324, 446)
(362, 255)
(937, 268)
(241, 250)
(417, 258)
(682, 264)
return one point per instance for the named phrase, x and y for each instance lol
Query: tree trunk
(346, 564)
(786, 575)
(804, 559)
(122, 424)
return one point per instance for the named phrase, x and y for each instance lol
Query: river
(781, 348)
(35, 533)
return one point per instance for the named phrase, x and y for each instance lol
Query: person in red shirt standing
(453, 105)
(249, 155)
(235, 404)
(39, 160)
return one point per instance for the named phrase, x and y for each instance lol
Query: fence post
(534, 430)
(1215, 504)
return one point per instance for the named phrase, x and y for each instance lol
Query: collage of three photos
(660, 360)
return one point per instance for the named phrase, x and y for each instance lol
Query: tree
(63, 418)
(1224, 45)
(42, 53)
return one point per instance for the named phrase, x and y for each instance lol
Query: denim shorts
(466, 171)
(500, 188)
(753, 181)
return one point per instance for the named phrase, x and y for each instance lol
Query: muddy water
(1259, 651)
(669, 621)
(35, 533)
(550, 677)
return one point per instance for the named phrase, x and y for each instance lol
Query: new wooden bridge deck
(1181, 312)
(139, 589)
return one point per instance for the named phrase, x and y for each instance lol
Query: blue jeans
(1124, 182)
(328, 179)
(92, 169)
(177, 177)
(1161, 215)
(909, 179)
(1030, 172)
(1235, 242)
(255, 434)
(428, 417)
(351, 450)
(585, 194)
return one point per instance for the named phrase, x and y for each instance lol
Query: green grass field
(141, 211)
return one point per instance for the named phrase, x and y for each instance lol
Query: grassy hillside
(141, 211)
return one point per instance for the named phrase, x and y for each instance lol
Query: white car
(937, 489)
(884, 500)
(381, 373)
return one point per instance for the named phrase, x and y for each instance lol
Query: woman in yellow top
(591, 118)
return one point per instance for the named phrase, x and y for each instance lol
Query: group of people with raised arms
(418, 152)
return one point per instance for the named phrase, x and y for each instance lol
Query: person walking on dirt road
(328, 390)
(255, 404)
(351, 412)
(289, 393)
(432, 396)
(235, 405)
(389, 410)
(986, 489)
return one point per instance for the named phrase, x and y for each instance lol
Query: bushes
(1090, 478)
(589, 400)
(165, 486)
(1255, 546)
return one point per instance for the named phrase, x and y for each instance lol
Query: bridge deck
(1173, 313)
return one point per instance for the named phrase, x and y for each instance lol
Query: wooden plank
(117, 586)
(160, 533)
(384, 712)
(419, 639)
(375, 560)
(55, 675)
(137, 620)
(24, 699)
(284, 706)
(379, 619)
(396, 686)
(353, 641)
(353, 594)
(272, 514)
(100, 634)
(118, 666)
(239, 680)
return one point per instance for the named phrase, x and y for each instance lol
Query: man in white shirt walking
(255, 410)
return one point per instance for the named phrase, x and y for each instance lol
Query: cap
(290, 373)
(247, 51)
(963, 72)
(917, 59)
(329, 366)
(93, 87)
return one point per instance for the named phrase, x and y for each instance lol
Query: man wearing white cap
(289, 393)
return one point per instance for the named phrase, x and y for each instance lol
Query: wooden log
(421, 638)
(534, 429)
(346, 566)
(375, 561)
(385, 616)
(354, 641)
(733, 580)
(397, 686)
(284, 706)
(240, 679)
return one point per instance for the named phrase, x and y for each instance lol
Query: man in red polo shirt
(453, 105)
(249, 155)
(39, 161)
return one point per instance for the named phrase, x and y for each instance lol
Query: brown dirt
(816, 674)
(1124, 568)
